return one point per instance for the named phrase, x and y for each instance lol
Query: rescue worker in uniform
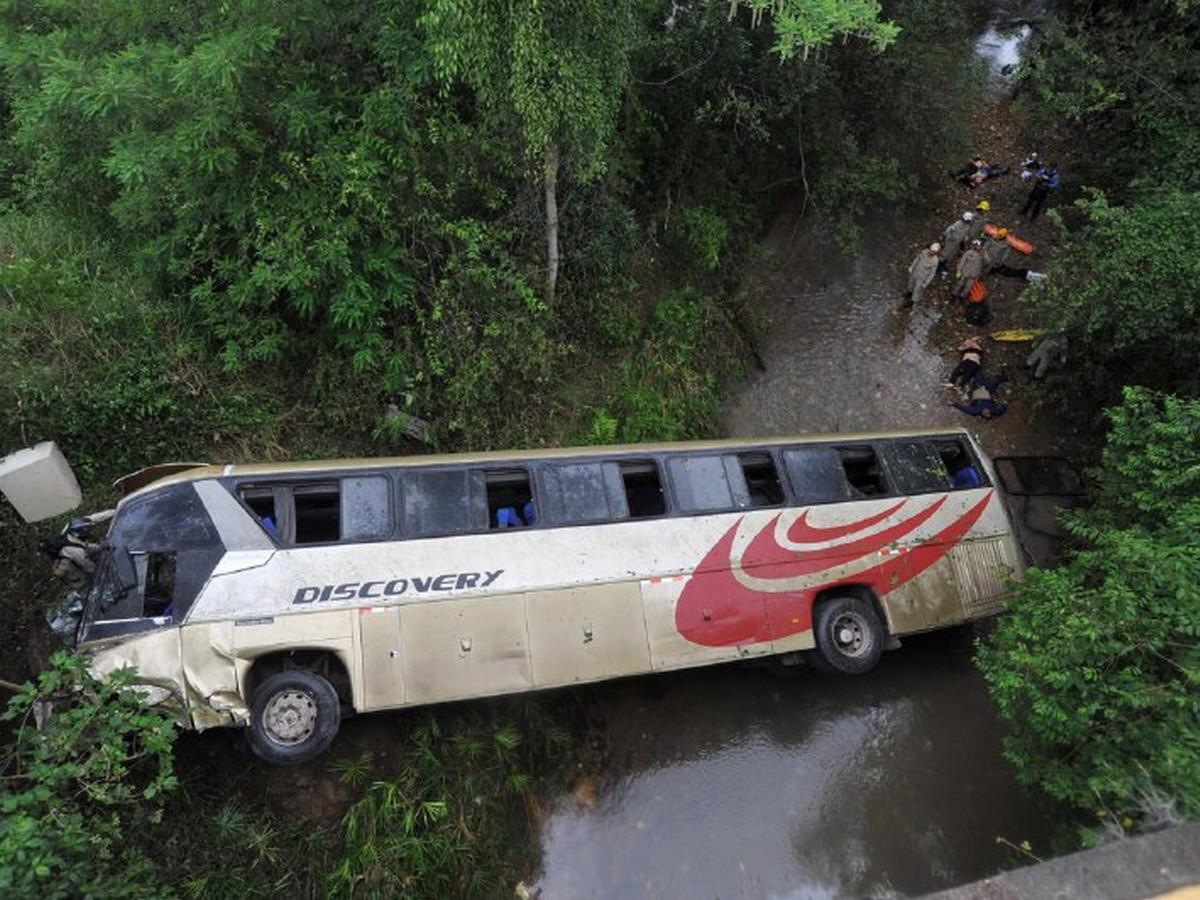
(970, 268)
(920, 274)
(954, 237)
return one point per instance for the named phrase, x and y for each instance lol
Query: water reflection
(731, 782)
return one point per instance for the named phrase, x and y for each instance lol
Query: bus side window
(917, 466)
(964, 472)
(862, 470)
(762, 480)
(643, 489)
(574, 493)
(509, 498)
(444, 501)
(261, 501)
(707, 483)
(317, 513)
(366, 508)
(816, 474)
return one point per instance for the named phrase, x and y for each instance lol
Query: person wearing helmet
(920, 274)
(954, 237)
(970, 269)
(1030, 166)
(982, 210)
(1046, 180)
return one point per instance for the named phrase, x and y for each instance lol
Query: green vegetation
(74, 795)
(1098, 663)
(1097, 667)
(249, 230)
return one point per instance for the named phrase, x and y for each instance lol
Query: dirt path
(839, 359)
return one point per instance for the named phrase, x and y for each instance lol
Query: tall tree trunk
(551, 185)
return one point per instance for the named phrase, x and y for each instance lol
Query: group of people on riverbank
(978, 248)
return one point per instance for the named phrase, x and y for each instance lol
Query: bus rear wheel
(849, 636)
(294, 717)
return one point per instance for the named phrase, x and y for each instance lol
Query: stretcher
(1021, 246)
(1017, 334)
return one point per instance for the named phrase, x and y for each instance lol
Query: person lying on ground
(970, 268)
(970, 364)
(982, 400)
(977, 171)
(920, 274)
(954, 237)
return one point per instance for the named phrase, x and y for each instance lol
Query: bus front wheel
(293, 717)
(849, 636)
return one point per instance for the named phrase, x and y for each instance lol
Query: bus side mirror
(127, 578)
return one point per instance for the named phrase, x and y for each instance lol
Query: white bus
(281, 597)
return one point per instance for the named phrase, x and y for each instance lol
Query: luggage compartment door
(380, 656)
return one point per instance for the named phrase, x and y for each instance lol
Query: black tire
(849, 636)
(294, 717)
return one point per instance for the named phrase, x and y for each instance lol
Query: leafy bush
(1123, 290)
(1097, 664)
(78, 796)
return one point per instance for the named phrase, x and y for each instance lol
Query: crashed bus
(281, 598)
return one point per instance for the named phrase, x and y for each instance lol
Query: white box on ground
(38, 481)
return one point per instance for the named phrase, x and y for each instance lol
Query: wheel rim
(290, 717)
(851, 635)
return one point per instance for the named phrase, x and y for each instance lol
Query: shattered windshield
(102, 594)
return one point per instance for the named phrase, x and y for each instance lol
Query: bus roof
(300, 467)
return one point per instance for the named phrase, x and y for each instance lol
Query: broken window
(816, 474)
(509, 498)
(261, 501)
(159, 595)
(316, 510)
(762, 479)
(917, 467)
(643, 489)
(862, 470)
(366, 508)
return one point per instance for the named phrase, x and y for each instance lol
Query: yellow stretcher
(1017, 334)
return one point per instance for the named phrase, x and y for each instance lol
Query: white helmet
(968, 216)
(935, 247)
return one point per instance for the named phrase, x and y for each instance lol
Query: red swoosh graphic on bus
(769, 560)
(803, 533)
(716, 610)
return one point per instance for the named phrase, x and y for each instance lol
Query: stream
(734, 782)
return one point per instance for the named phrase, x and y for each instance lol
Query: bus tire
(294, 717)
(849, 635)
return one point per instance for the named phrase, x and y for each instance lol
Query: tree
(1123, 290)
(1096, 666)
(561, 69)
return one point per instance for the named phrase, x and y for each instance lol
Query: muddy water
(731, 782)
(736, 783)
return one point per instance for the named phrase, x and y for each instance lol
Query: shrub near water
(1097, 665)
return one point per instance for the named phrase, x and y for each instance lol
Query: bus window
(816, 474)
(509, 498)
(576, 493)
(861, 467)
(964, 472)
(762, 481)
(366, 512)
(643, 489)
(701, 483)
(317, 513)
(444, 502)
(917, 467)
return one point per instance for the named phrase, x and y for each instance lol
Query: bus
(282, 597)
